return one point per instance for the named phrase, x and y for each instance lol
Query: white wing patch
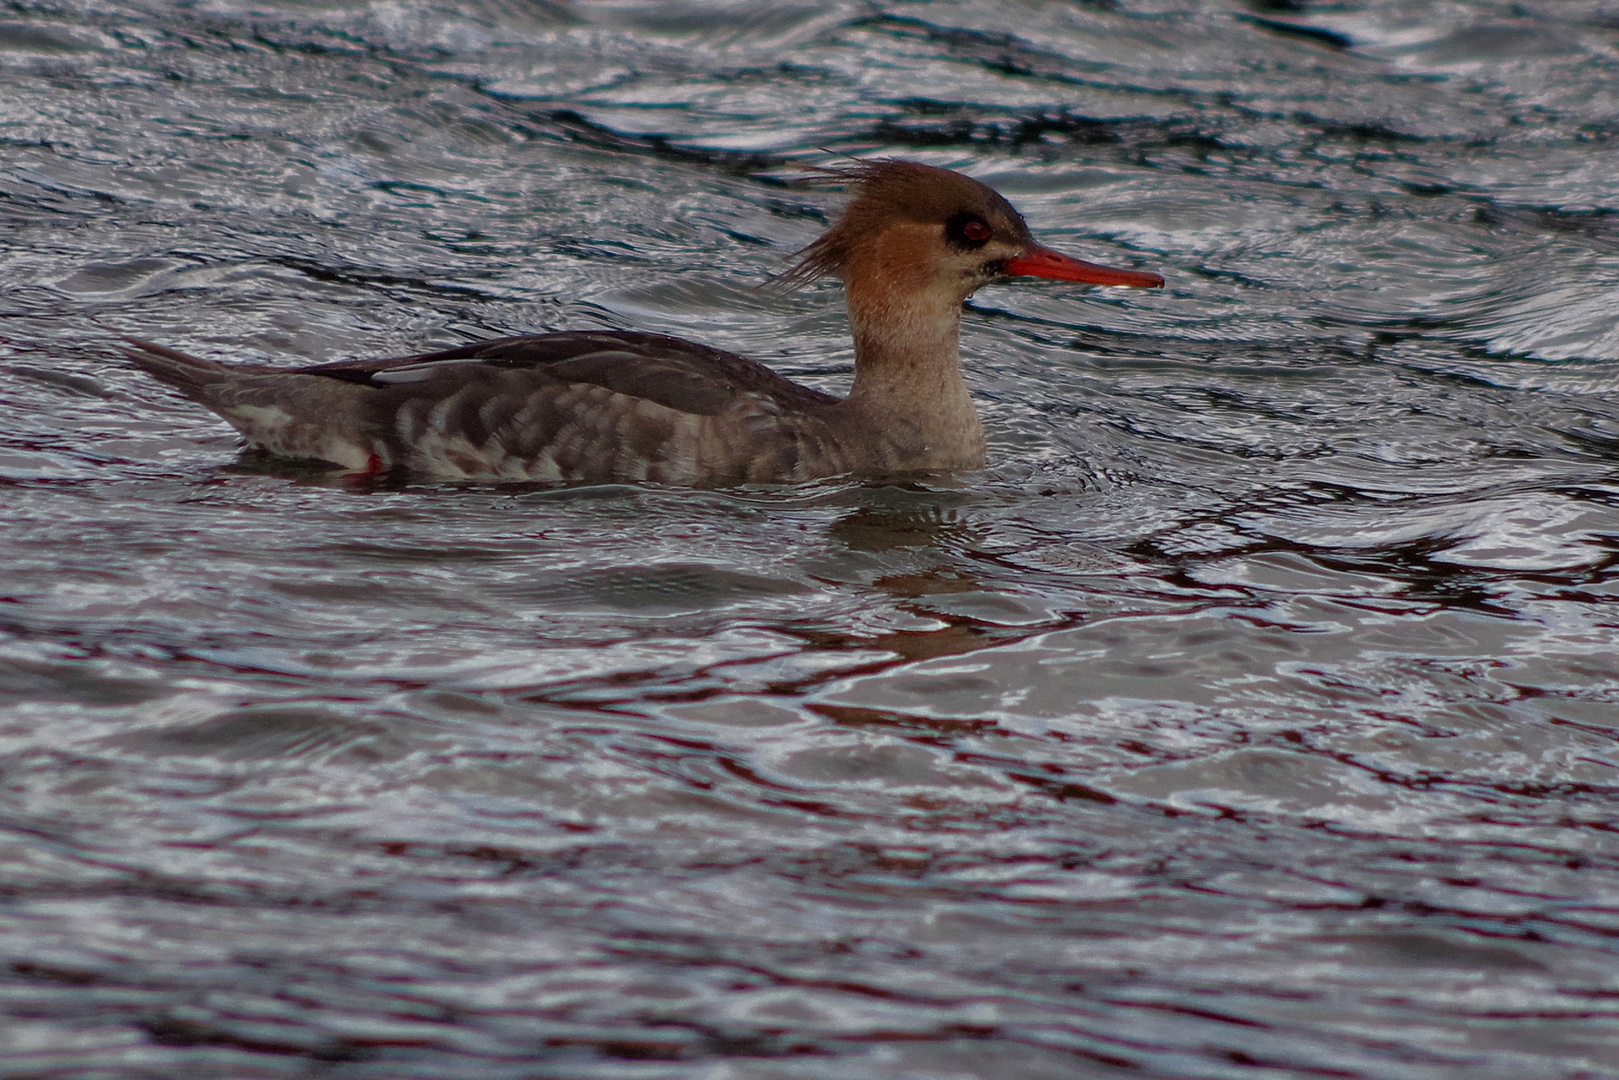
(415, 373)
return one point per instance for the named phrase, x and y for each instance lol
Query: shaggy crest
(888, 190)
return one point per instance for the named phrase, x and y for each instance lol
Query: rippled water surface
(1253, 714)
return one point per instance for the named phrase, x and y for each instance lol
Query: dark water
(1254, 714)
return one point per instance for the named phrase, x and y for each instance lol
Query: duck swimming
(600, 406)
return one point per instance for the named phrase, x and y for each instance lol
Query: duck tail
(191, 375)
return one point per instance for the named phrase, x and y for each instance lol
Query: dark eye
(968, 231)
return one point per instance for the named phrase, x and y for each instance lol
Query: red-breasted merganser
(621, 406)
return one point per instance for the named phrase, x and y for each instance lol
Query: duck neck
(907, 361)
(908, 393)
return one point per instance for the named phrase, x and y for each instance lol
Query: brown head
(916, 230)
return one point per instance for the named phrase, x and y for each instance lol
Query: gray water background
(1253, 714)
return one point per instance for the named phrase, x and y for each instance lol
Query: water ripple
(1251, 714)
